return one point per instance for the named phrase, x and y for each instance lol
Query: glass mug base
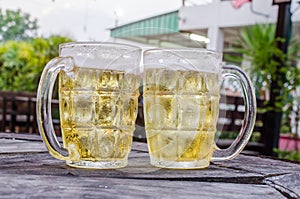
(111, 164)
(196, 164)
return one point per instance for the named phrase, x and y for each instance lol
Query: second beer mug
(98, 101)
(181, 105)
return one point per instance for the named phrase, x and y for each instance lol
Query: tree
(45, 50)
(22, 62)
(18, 66)
(15, 25)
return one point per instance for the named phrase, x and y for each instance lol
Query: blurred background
(86, 19)
(261, 36)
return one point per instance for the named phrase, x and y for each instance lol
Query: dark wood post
(273, 118)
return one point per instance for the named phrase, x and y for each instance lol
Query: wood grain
(33, 186)
(28, 171)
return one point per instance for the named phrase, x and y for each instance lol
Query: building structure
(213, 25)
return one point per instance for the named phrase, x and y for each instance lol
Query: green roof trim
(160, 24)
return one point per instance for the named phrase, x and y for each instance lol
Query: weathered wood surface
(28, 171)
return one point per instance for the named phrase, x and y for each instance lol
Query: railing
(231, 118)
(18, 115)
(230, 122)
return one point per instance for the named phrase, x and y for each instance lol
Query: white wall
(221, 14)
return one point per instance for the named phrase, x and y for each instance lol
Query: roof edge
(130, 23)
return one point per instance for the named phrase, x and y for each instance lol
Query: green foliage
(18, 66)
(257, 46)
(15, 25)
(289, 155)
(21, 63)
(46, 49)
(255, 137)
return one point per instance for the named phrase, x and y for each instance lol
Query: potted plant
(255, 50)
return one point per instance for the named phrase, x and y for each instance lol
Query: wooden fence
(18, 115)
(231, 116)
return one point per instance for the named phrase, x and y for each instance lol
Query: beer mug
(181, 93)
(98, 102)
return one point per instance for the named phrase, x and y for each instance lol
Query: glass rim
(196, 50)
(94, 43)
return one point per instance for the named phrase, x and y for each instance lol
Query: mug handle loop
(43, 105)
(249, 117)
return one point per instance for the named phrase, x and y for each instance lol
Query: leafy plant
(256, 50)
(22, 55)
(257, 47)
(289, 155)
(16, 25)
(18, 66)
(46, 49)
(21, 63)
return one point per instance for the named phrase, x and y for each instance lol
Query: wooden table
(28, 171)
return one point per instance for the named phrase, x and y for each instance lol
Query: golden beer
(181, 111)
(98, 110)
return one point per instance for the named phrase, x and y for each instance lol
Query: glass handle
(249, 118)
(43, 105)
